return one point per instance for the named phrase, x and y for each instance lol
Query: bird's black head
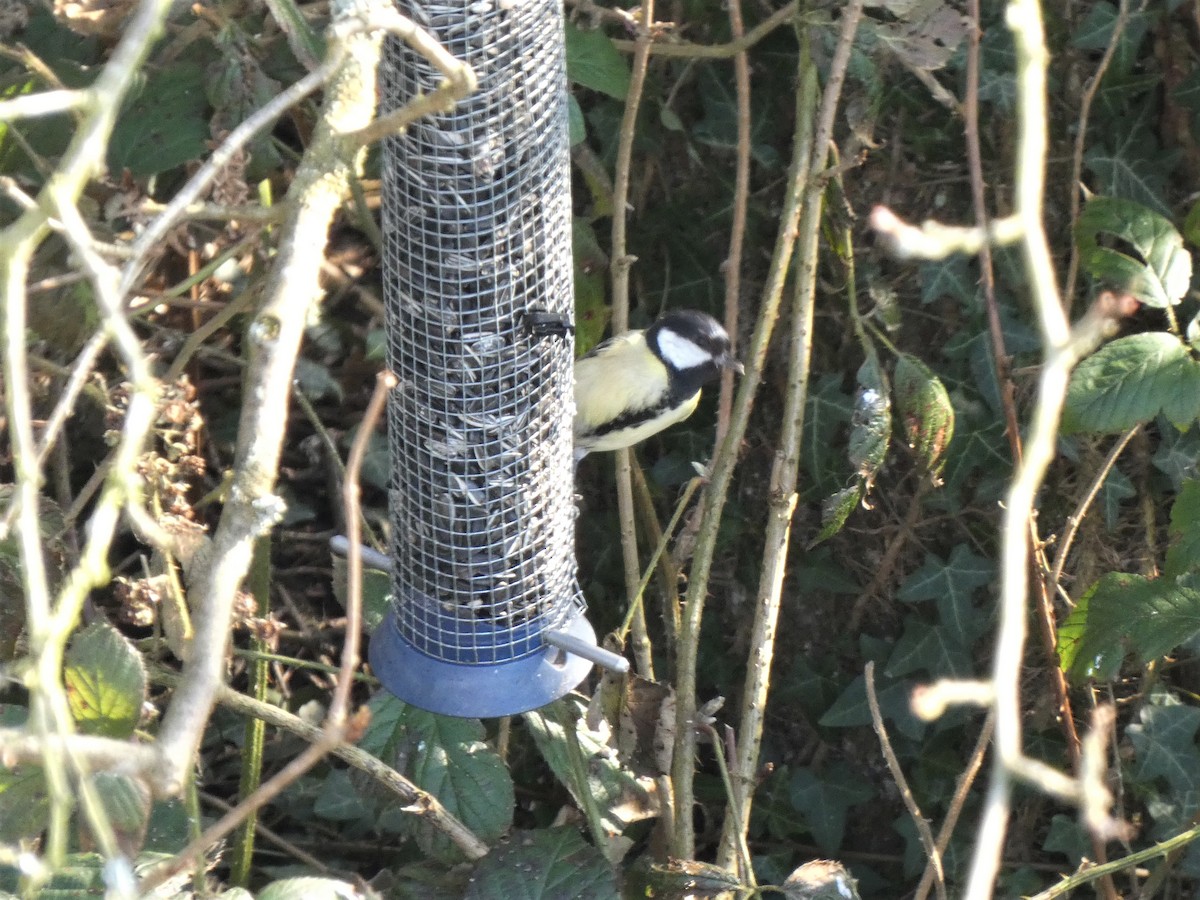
(693, 345)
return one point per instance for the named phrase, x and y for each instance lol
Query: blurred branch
(49, 628)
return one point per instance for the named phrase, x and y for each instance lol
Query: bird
(636, 384)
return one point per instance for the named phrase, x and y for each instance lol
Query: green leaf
(593, 61)
(826, 412)
(1160, 277)
(616, 791)
(1130, 164)
(376, 591)
(1183, 555)
(950, 277)
(165, 126)
(871, 424)
(1121, 613)
(310, 889)
(338, 800)
(934, 650)
(127, 803)
(926, 414)
(89, 875)
(1131, 380)
(825, 799)
(304, 40)
(105, 679)
(446, 757)
(960, 577)
(1068, 837)
(851, 710)
(576, 123)
(24, 806)
(1164, 741)
(836, 509)
(547, 864)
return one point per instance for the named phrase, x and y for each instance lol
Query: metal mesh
(477, 236)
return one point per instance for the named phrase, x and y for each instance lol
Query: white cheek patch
(679, 352)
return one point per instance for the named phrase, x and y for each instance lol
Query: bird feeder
(486, 616)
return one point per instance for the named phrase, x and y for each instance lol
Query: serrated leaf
(24, 806)
(1183, 555)
(593, 61)
(105, 679)
(927, 37)
(1123, 613)
(543, 865)
(447, 757)
(576, 123)
(678, 878)
(824, 800)
(127, 803)
(926, 414)
(617, 792)
(1160, 277)
(1164, 741)
(305, 41)
(166, 124)
(871, 423)
(89, 875)
(836, 509)
(1130, 381)
(338, 800)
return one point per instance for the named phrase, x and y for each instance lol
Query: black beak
(728, 362)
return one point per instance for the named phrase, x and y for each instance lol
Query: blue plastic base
(477, 691)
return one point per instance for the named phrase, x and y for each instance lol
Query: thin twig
(732, 267)
(622, 261)
(1081, 133)
(1075, 519)
(684, 50)
(962, 789)
(932, 853)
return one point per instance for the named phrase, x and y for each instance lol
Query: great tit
(638, 383)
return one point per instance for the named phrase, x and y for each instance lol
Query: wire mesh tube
(478, 291)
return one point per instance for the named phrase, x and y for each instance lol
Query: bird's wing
(618, 378)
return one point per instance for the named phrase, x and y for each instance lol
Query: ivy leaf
(543, 865)
(1131, 380)
(1161, 272)
(1122, 613)
(105, 679)
(1183, 555)
(959, 578)
(447, 757)
(825, 799)
(950, 277)
(851, 710)
(1131, 165)
(1165, 743)
(593, 62)
(934, 650)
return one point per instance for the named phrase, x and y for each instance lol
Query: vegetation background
(902, 485)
